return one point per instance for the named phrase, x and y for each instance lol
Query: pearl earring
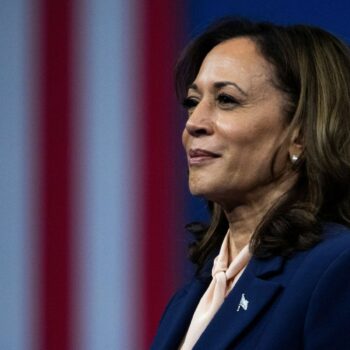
(294, 158)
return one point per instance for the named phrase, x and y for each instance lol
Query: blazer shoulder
(335, 238)
(333, 230)
(335, 242)
(326, 323)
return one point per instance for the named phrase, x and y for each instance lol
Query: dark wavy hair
(312, 68)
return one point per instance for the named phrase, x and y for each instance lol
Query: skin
(236, 112)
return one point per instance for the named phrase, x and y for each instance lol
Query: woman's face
(235, 124)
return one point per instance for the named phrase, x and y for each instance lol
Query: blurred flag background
(93, 197)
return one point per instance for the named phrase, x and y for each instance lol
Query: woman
(268, 145)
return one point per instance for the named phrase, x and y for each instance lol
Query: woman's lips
(199, 156)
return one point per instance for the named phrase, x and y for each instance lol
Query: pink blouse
(225, 276)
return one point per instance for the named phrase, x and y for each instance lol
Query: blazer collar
(254, 290)
(254, 284)
(265, 268)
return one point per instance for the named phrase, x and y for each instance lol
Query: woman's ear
(296, 146)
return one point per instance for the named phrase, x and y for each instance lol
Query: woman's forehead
(236, 60)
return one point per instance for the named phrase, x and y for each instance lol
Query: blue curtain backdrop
(331, 15)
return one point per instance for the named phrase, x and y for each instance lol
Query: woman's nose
(199, 122)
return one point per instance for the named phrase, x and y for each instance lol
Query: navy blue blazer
(302, 302)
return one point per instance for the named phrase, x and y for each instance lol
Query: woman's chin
(204, 191)
(200, 185)
(197, 190)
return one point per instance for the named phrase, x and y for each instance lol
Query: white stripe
(17, 246)
(106, 245)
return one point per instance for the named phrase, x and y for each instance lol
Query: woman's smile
(201, 156)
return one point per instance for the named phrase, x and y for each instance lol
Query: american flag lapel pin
(243, 303)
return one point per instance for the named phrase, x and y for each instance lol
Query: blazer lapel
(246, 301)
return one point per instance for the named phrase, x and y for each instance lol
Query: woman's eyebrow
(219, 85)
(193, 86)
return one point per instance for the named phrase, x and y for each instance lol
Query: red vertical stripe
(55, 116)
(161, 206)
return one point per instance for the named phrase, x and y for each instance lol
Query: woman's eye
(189, 103)
(226, 100)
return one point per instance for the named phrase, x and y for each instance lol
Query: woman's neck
(245, 217)
(243, 221)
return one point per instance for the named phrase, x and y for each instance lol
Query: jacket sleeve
(327, 323)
